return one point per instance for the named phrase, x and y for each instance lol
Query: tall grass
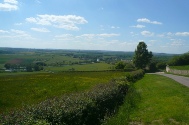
(19, 90)
(154, 100)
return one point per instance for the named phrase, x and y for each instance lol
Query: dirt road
(181, 79)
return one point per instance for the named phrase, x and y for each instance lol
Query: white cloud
(133, 34)
(108, 35)
(138, 26)
(85, 37)
(9, 5)
(19, 33)
(182, 34)
(145, 20)
(64, 37)
(15, 35)
(37, 1)
(3, 31)
(44, 30)
(18, 24)
(68, 22)
(169, 34)
(177, 43)
(11, 1)
(115, 27)
(166, 35)
(147, 33)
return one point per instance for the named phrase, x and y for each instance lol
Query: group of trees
(28, 67)
(141, 59)
(179, 60)
(126, 66)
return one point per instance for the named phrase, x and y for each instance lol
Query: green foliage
(89, 108)
(179, 60)
(161, 65)
(142, 57)
(152, 66)
(135, 75)
(29, 68)
(82, 108)
(124, 66)
(120, 65)
(7, 65)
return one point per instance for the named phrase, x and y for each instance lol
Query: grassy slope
(154, 100)
(17, 90)
(186, 67)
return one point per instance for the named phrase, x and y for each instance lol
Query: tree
(142, 57)
(29, 68)
(120, 65)
(36, 67)
(7, 65)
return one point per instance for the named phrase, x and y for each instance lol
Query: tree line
(27, 67)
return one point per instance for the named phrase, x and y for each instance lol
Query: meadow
(85, 67)
(154, 100)
(19, 90)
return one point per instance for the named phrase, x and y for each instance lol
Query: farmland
(61, 60)
(19, 90)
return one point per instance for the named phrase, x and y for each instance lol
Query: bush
(135, 75)
(89, 108)
(161, 65)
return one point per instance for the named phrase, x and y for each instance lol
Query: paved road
(181, 79)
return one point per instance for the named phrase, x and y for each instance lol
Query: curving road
(181, 79)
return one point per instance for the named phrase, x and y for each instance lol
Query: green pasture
(30, 57)
(155, 100)
(18, 90)
(84, 67)
(185, 67)
(61, 58)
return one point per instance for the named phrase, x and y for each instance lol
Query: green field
(85, 67)
(18, 90)
(154, 100)
(185, 67)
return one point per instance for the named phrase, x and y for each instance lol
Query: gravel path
(181, 79)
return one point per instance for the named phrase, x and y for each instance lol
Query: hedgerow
(86, 108)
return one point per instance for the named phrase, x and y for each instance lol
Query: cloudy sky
(95, 24)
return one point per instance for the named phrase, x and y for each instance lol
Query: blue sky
(117, 25)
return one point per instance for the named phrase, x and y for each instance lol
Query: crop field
(154, 100)
(18, 89)
(85, 67)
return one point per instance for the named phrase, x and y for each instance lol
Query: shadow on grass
(132, 99)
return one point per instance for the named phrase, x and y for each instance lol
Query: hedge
(85, 108)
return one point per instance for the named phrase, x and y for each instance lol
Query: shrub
(135, 75)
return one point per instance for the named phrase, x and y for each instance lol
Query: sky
(117, 25)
